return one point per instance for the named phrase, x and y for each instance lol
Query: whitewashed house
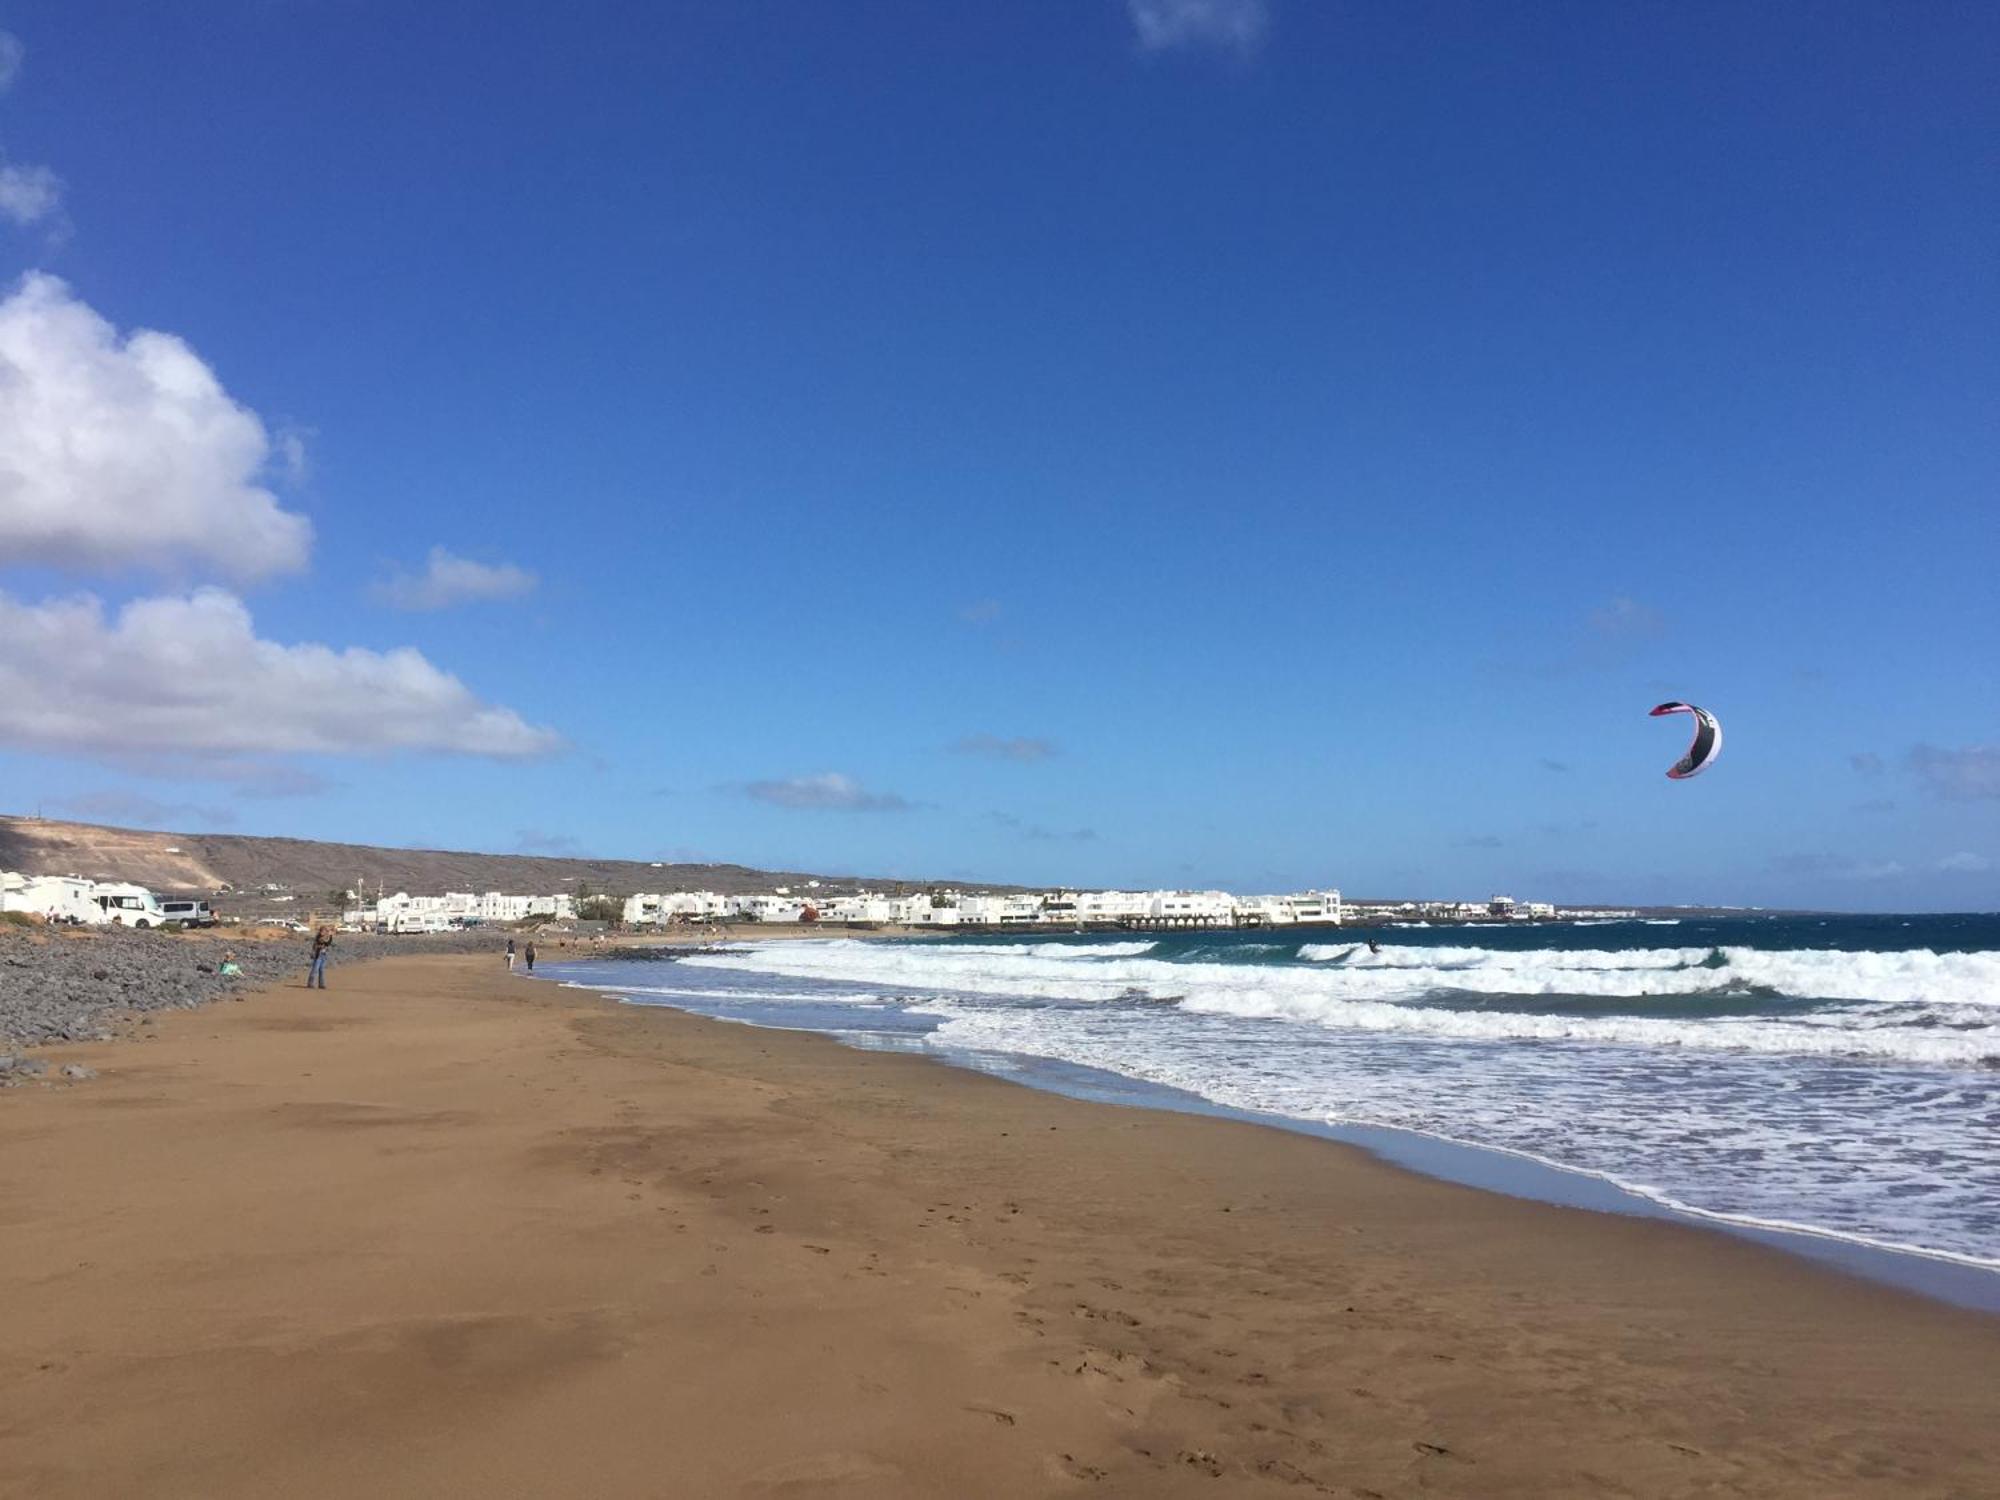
(1317, 906)
(1194, 908)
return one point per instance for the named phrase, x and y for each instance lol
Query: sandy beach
(442, 1231)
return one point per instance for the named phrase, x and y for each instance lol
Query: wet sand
(440, 1231)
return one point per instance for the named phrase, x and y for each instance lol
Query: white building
(1317, 906)
(999, 911)
(403, 912)
(1113, 906)
(1193, 909)
(496, 907)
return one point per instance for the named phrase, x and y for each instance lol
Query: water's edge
(1484, 1168)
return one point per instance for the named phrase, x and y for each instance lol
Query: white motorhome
(127, 905)
(55, 898)
(418, 921)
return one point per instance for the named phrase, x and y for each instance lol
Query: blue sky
(1176, 442)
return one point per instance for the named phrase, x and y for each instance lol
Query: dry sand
(438, 1232)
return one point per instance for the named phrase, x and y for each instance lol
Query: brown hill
(208, 862)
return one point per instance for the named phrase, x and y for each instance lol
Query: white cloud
(188, 676)
(293, 459)
(1165, 24)
(828, 790)
(11, 53)
(1965, 863)
(127, 453)
(448, 580)
(28, 195)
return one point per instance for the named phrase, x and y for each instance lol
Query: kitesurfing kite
(1707, 740)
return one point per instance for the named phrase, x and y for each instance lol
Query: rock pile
(57, 987)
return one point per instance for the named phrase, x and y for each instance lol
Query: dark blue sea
(1837, 1076)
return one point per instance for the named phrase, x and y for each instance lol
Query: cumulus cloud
(126, 452)
(980, 612)
(1867, 762)
(136, 809)
(1019, 748)
(1230, 24)
(28, 195)
(1961, 775)
(11, 53)
(189, 676)
(828, 790)
(448, 580)
(1965, 863)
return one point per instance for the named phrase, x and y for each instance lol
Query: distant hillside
(206, 862)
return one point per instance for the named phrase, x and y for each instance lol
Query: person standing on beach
(322, 946)
(510, 955)
(531, 958)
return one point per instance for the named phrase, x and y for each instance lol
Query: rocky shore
(76, 986)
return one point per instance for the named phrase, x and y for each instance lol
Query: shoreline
(439, 1231)
(1940, 1275)
(1953, 1279)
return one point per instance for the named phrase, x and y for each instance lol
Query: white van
(128, 905)
(55, 898)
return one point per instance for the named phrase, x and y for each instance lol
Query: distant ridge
(204, 862)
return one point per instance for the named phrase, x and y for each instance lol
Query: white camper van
(128, 905)
(54, 898)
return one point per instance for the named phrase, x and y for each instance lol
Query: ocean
(1834, 1076)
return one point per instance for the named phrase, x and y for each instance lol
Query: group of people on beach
(322, 950)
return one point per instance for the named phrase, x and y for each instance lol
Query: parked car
(188, 913)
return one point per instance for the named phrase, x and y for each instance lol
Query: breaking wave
(1915, 1006)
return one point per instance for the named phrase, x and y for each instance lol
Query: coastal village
(77, 900)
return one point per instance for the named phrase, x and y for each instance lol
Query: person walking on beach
(510, 955)
(531, 958)
(322, 946)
